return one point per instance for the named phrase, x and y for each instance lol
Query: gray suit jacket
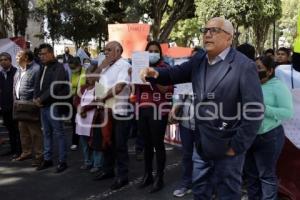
(229, 112)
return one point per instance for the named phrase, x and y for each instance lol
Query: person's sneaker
(74, 147)
(181, 192)
(94, 170)
(62, 166)
(44, 165)
(85, 167)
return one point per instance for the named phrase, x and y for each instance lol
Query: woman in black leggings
(153, 119)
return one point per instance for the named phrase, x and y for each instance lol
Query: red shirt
(147, 95)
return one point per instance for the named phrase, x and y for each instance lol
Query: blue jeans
(53, 127)
(91, 157)
(221, 177)
(86, 151)
(187, 137)
(260, 166)
(200, 169)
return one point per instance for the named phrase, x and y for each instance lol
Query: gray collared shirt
(219, 57)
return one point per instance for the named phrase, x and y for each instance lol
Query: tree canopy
(180, 20)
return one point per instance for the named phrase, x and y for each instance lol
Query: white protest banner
(284, 73)
(291, 77)
(82, 55)
(185, 88)
(100, 58)
(172, 135)
(12, 46)
(292, 126)
(140, 60)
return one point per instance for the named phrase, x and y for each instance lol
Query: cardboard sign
(140, 60)
(133, 37)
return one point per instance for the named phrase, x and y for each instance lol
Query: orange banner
(133, 37)
(178, 52)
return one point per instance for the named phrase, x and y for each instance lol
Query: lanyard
(292, 77)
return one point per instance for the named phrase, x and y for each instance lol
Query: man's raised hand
(148, 72)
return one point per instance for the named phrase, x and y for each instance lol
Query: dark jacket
(67, 58)
(236, 93)
(55, 78)
(6, 89)
(28, 81)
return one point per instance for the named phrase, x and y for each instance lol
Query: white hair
(227, 25)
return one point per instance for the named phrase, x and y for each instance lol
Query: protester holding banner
(261, 158)
(24, 109)
(6, 103)
(154, 105)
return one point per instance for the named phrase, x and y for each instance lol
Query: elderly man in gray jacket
(30, 127)
(228, 107)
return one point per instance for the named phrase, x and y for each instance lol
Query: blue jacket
(235, 94)
(28, 81)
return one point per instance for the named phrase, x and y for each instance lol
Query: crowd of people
(230, 128)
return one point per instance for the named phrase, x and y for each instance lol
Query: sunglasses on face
(212, 30)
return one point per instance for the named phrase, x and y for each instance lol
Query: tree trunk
(260, 34)
(159, 7)
(100, 43)
(179, 11)
(3, 32)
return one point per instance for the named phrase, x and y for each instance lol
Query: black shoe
(157, 185)
(36, 163)
(118, 183)
(146, 181)
(45, 164)
(103, 175)
(62, 166)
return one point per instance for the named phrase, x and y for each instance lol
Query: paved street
(18, 180)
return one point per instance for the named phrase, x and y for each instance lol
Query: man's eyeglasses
(212, 30)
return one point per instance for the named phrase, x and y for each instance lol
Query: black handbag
(25, 111)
